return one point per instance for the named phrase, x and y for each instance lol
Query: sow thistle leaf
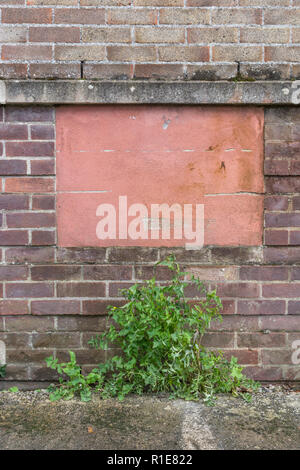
(159, 334)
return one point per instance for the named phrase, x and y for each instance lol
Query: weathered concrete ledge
(149, 92)
(30, 421)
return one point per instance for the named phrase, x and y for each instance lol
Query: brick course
(208, 39)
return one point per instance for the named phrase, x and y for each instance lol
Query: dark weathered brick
(99, 307)
(29, 255)
(28, 114)
(43, 273)
(13, 307)
(281, 290)
(55, 307)
(81, 289)
(261, 307)
(13, 237)
(33, 219)
(38, 289)
(14, 202)
(13, 273)
(263, 273)
(30, 149)
(43, 237)
(107, 272)
(258, 340)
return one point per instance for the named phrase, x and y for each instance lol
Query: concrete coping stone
(51, 92)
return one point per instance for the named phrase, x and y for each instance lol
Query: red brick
(42, 132)
(275, 255)
(13, 167)
(29, 356)
(14, 71)
(29, 185)
(246, 290)
(108, 71)
(57, 272)
(183, 53)
(55, 307)
(276, 237)
(167, 71)
(291, 373)
(29, 114)
(294, 168)
(81, 289)
(13, 273)
(52, 71)
(296, 203)
(236, 323)
(56, 340)
(29, 255)
(26, 15)
(116, 287)
(294, 307)
(276, 356)
(277, 167)
(24, 220)
(99, 307)
(22, 289)
(244, 356)
(43, 237)
(26, 52)
(30, 149)
(228, 307)
(80, 16)
(15, 342)
(131, 53)
(13, 237)
(281, 290)
(264, 373)
(294, 237)
(107, 272)
(282, 149)
(282, 185)
(43, 374)
(294, 255)
(29, 323)
(263, 273)
(13, 307)
(257, 340)
(14, 202)
(261, 307)
(42, 202)
(277, 203)
(295, 273)
(218, 340)
(148, 272)
(42, 167)
(17, 372)
(279, 323)
(13, 131)
(291, 219)
(81, 255)
(54, 34)
(138, 17)
(81, 323)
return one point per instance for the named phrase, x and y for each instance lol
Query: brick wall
(55, 299)
(169, 39)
